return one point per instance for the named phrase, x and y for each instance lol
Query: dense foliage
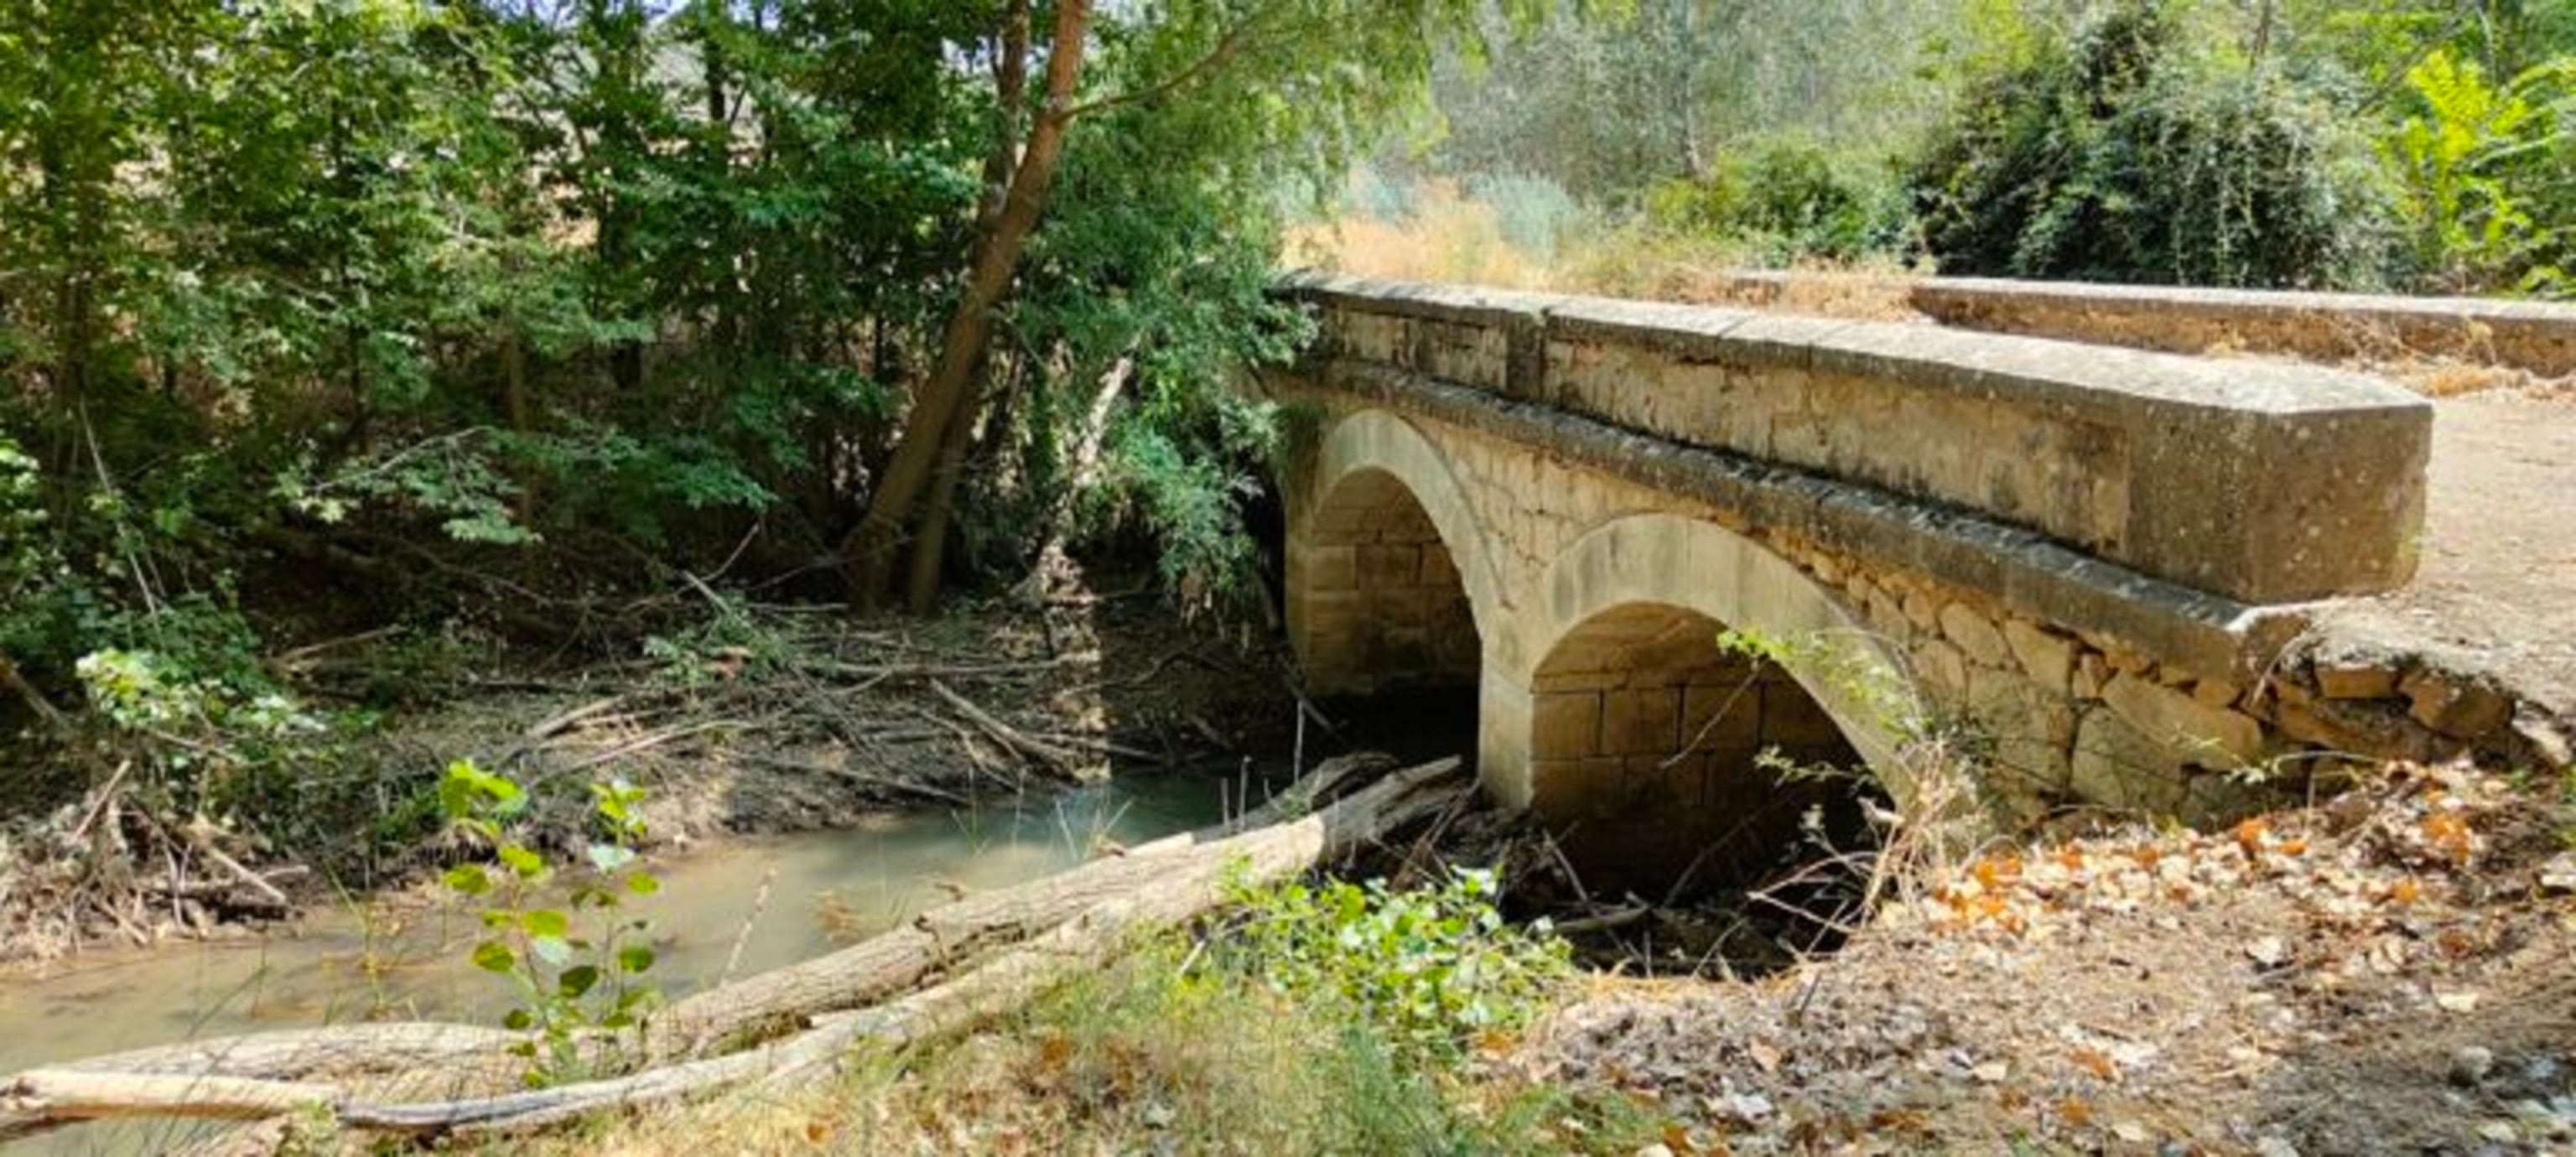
(2119, 154)
(2419, 145)
(495, 307)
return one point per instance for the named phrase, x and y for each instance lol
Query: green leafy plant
(2138, 148)
(2475, 162)
(1430, 970)
(578, 968)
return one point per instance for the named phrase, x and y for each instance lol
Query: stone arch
(1382, 548)
(1689, 570)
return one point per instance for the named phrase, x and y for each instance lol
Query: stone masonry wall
(1375, 597)
(2532, 336)
(2059, 714)
(1640, 713)
(2070, 681)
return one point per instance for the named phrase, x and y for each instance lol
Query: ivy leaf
(526, 863)
(494, 956)
(635, 958)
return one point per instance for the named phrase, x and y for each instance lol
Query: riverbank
(2384, 971)
(745, 720)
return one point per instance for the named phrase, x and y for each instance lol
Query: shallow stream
(409, 960)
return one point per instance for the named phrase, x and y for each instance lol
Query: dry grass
(1451, 236)
(1448, 237)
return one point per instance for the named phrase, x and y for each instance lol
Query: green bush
(578, 969)
(2127, 152)
(2487, 173)
(1793, 197)
(1430, 970)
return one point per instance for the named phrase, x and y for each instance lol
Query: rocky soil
(2387, 972)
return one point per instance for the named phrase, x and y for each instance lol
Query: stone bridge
(2076, 565)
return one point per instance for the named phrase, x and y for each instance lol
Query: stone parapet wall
(2532, 336)
(2263, 483)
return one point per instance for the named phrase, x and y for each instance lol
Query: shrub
(2483, 169)
(578, 969)
(1794, 197)
(1429, 970)
(2122, 153)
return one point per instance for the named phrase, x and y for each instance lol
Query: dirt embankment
(2388, 972)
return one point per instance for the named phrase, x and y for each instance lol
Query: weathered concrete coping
(2262, 482)
(2536, 336)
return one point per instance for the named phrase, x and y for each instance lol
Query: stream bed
(409, 960)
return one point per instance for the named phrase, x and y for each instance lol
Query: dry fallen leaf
(2098, 1063)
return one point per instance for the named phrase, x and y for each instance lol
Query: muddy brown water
(409, 961)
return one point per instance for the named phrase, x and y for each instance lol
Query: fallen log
(934, 942)
(1106, 901)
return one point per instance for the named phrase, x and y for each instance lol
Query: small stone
(2356, 682)
(2196, 733)
(1922, 610)
(2115, 765)
(2092, 673)
(2471, 1065)
(1975, 634)
(1658, 1149)
(2048, 657)
(2214, 692)
(2126, 661)
(2132, 1132)
(2459, 1002)
(2275, 1147)
(2559, 873)
(2268, 951)
(2455, 706)
(1991, 1072)
(1943, 670)
(2500, 1132)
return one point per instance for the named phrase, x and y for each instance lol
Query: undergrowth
(1314, 1018)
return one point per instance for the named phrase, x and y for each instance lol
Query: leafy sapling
(579, 967)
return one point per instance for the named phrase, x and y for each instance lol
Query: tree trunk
(1011, 90)
(969, 333)
(930, 548)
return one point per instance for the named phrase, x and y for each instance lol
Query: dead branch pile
(112, 866)
(816, 716)
(952, 968)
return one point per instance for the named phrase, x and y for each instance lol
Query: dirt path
(2496, 595)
